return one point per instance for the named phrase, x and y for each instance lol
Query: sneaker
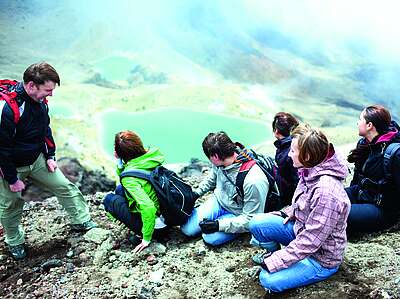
(83, 227)
(259, 258)
(17, 252)
(135, 240)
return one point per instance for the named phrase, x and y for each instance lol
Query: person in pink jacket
(313, 227)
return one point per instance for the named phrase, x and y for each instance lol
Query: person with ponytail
(375, 189)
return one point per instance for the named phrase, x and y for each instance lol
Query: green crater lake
(179, 133)
(115, 68)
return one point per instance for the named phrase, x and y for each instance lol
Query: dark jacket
(372, 169)
(287, 177)
(22, 143)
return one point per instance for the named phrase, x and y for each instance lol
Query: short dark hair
(218, 144)
(284, 122)
(313, 145)
(41, 72)
(128, 145)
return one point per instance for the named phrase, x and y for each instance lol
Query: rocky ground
(100, 263)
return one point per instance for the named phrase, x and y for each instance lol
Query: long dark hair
(380, 117)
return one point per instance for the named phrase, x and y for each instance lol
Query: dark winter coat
(287, 177)
(22, 143)
(370, 171)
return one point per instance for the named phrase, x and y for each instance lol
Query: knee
(254, 222)
(108, 201)
(213, 239)
(269, 282)
(188, 230)
(258, 221)
(119, 190)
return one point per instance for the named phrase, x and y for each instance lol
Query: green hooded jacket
(140, 193)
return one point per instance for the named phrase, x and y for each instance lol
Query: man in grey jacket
(226, 214)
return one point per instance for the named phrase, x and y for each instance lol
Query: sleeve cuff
(12, 181)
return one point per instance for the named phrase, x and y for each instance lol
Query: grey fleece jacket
(255, 189)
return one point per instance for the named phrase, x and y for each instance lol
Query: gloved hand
(209, 226)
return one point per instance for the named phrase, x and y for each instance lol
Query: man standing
(227, 213)
(27, 149)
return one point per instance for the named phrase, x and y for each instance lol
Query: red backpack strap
(243, 171)
(247, 165)
(9, 97)
(8, 82)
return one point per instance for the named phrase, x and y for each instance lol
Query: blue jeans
(364, 217)
(270, 231)
(211, 210)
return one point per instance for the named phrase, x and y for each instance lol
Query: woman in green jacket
(135, 202)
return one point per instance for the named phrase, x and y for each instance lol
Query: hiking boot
(259, 258)
(17, 252)
(83, 227)
(135, 240)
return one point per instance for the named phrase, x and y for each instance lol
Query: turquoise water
(179, 133)
(115, 68)
(60, 111)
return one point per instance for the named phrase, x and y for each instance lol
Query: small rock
(112, 258)
(83, 257)
(63, 279)
(19, 282)
(96, 235)
(3, 257)
(70, 254)
(47, 265)
(230, 268)
(156, 276)
(70, 267)
(38, 293)
(201, 251)
(144, 293)
(155, 248)
(124, 285)
(151, 260)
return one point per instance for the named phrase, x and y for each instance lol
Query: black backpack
(268, 166)
(390, 151)
(175, 196)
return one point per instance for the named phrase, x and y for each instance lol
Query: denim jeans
(270, 231)
(364, 217)
(211, 210)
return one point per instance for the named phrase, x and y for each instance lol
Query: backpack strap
(243, 171)
(10, 97)
(137, 173)
(390, 151)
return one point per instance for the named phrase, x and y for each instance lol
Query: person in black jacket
(287, 177)
(27, 149)
(375, 189)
